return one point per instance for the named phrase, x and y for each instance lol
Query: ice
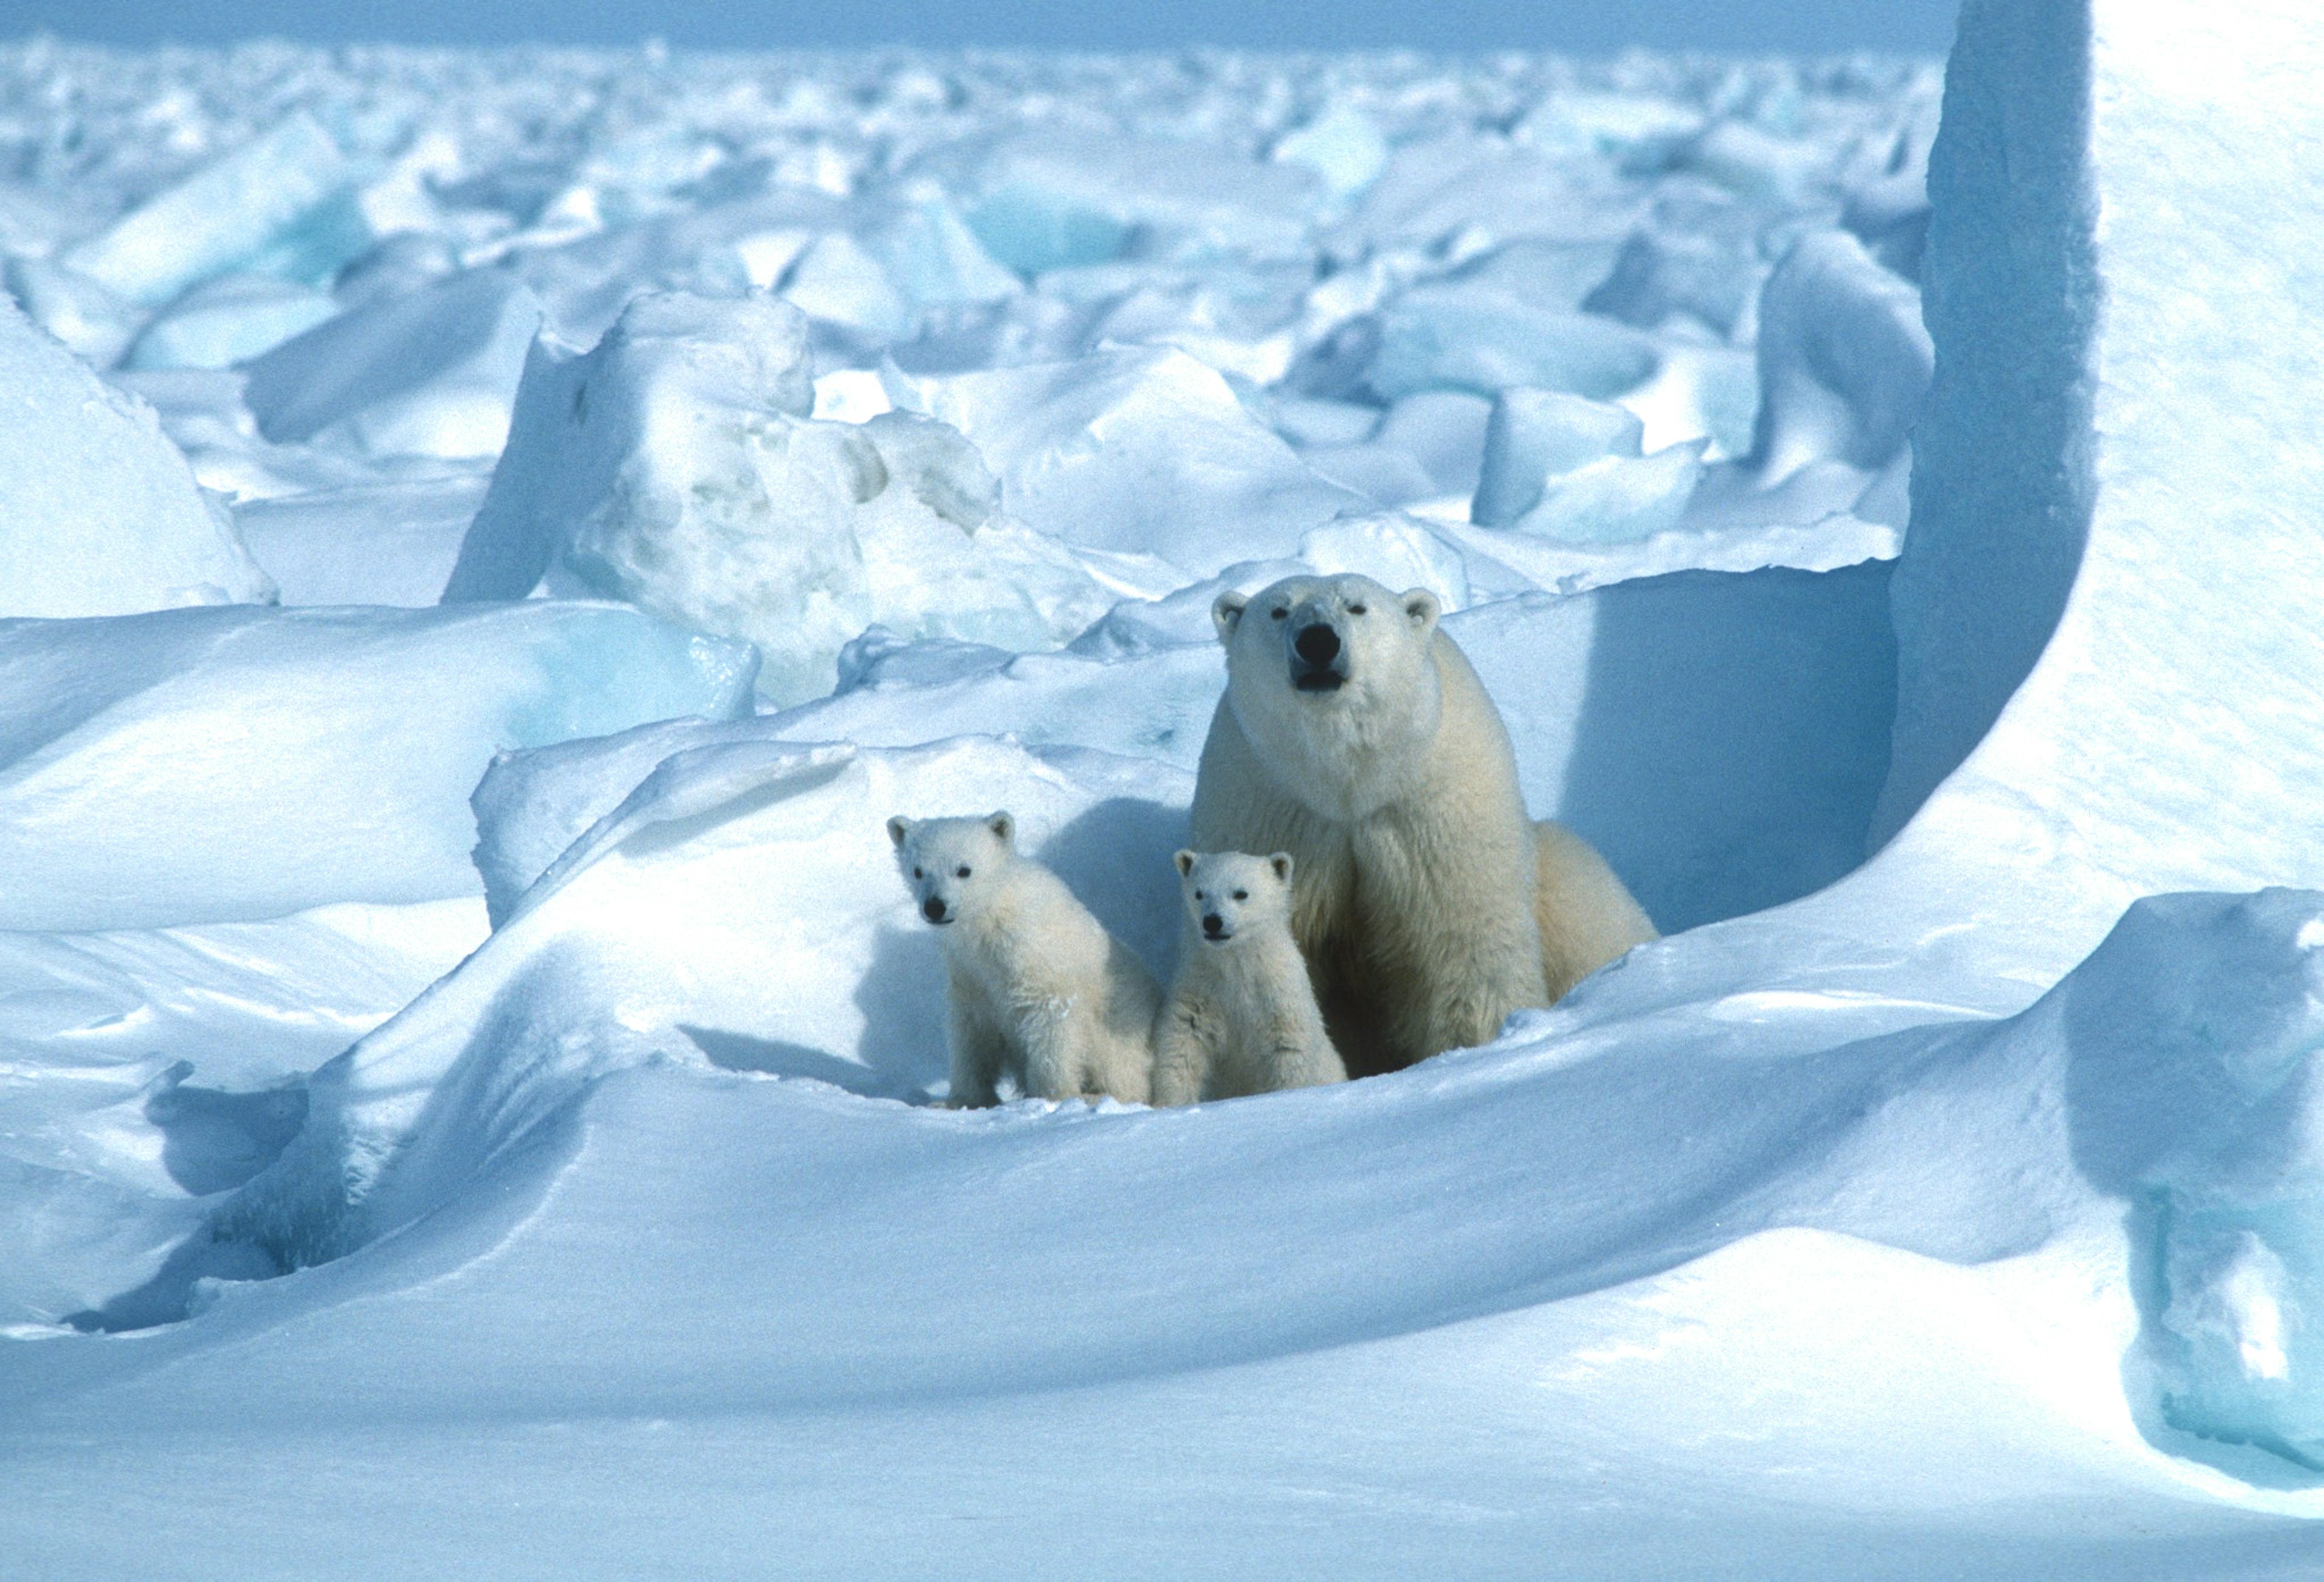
(324, 756)
(279, 204)
(1844, 360)
(98, 513)
(836, 281)
(1136, 451)
(2197, 1031)
(1697, 253)
(226, 319)
(1342, 145)
(1474, 335)
(1560, 467)
(432, 372)
(1443, 430)
(76, 309)
(930, 255)
(674, 466)
(363, 543)
(1532, 435)
(1054, 200)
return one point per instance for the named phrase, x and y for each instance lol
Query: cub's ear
(1002, 825)
(1420, 608)
(1185, 863)
(1226, 612)
(1281, 864)
(899, 830)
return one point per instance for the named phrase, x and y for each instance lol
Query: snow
(323, 756)
(461, 1031)
(99, 514)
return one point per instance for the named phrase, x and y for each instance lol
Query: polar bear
(1034, 984)
(1240, 1015)
(1354, 736)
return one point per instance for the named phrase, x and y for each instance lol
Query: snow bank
(98, 513)
(675, 466)
(804, 956)
(202, 766)
(2196, 1033)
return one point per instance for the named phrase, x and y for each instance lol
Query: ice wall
(2123, 444)
(2002, 485)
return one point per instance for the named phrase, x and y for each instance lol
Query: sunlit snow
(487, 539)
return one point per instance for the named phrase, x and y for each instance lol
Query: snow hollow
(487, 539)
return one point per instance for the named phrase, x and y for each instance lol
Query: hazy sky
(1820, 26)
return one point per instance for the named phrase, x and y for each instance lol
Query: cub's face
(952, 863)
(1230, 893)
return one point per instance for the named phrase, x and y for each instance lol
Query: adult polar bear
(1354, 736)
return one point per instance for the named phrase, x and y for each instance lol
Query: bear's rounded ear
(1002, 825)
(1226, 612)
(1420, 607)
(1185, 861)
(899, 830)
(1281, 864)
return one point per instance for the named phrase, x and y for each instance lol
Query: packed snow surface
(471, 1080)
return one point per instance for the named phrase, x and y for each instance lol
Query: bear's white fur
(1354, 736)
(1034, 984)
(1240, 1017)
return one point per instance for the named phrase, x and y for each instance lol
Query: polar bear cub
(1241, 1016)
(1034, 984)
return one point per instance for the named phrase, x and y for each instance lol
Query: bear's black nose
(933, 909)
(1213, 925)
(1317, 644)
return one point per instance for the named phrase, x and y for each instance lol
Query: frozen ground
(485, 541)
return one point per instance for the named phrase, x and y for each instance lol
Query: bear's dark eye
(917, 874)
(1355, 609)
(1277, 614)
(964, 873)
(1242, 895)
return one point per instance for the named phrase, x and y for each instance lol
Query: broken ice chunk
(289, 193)
(1536, 434)
(79, 311)
(1473, 336)
(222, 765)
(1559, 467)
(674, 465)
(1844, 359)
(226, 320)
(1136, 450)
(432, 372)
(1342, 145)
(99, 514)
